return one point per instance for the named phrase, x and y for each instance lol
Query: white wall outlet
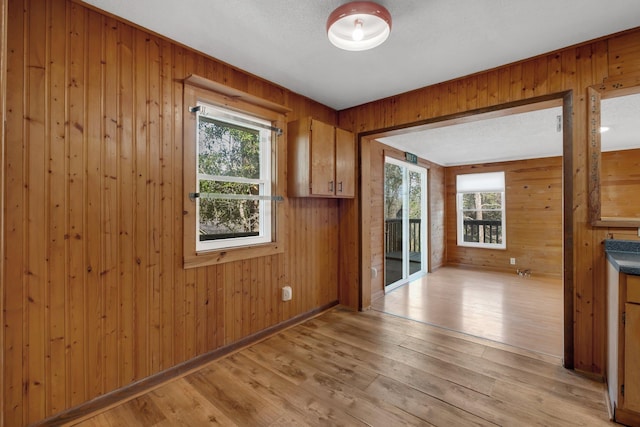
(512, 261)
(287, 294)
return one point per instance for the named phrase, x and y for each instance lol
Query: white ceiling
(431, 41)
(514, 137)
(529, 135)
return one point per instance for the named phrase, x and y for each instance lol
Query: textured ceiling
(284, 41)
(518, 136)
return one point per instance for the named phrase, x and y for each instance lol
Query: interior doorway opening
(372, 146)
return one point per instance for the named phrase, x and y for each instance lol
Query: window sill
(483, 246)
(221, 256)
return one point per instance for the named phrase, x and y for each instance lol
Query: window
(234, 174)
(480, 208)
(233, 167)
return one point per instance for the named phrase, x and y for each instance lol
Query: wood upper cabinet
(321, 160)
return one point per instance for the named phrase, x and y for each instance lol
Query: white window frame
(264, 181)
(486, 182)
(200, 90)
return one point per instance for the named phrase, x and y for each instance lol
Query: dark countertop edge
(625, 262)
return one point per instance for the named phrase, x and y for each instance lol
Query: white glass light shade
(370, 22)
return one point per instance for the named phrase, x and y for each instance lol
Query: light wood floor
(526, 312)
(371, 368)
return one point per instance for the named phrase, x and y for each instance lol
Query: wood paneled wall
(94, 293)
(620, 184)
(574, 69)
(533, 211)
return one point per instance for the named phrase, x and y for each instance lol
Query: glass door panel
(404, 222)
(415, 222)
(393, 230)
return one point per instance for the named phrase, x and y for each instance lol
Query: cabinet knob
(331, 186)
(340, 186)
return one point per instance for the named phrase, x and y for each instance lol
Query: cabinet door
(632, 357)
(345, 163)
(322, 159)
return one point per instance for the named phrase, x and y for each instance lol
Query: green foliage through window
(229, 162)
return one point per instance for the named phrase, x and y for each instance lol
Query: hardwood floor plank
(525, 312)
(283, 364)
(552, 409)
(345, 368)
(241, 404)
(398, 363)
(298, 402)
(421, 329)
(430, 409)
(182, 405)
(349, 371)
(142, 411)
(581, 391)
(359, 404)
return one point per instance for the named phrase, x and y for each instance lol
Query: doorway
(371, 146)
(405, 193)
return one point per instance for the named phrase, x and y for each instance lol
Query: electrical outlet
(287, 294)
(512, 261)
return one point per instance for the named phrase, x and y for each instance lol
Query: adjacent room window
(233, 179)
(480, 207)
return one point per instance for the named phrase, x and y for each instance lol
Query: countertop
(624, 255)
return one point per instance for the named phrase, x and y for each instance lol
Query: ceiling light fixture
(359, 25)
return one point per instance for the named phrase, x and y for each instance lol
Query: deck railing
(393, 235)
(489, 230)
(491, 233)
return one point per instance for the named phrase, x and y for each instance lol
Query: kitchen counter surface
(624, 255)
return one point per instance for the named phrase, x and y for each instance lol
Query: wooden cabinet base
(627, 418)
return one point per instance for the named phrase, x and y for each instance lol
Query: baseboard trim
(510, 269)
(101, 403)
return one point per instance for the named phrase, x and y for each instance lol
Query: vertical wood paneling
(141, 306)
(14, 231)
(179, 332)
(3, 67)
(126, 199)
(96, 296)
(200, 310)
(154, 203)
(624, 60)
(167, 192)
(36, 154)
(110, 204)
(93, 236)
(76, 334)
(58, 197)
(229, 302)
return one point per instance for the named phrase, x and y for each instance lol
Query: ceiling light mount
(359, 25)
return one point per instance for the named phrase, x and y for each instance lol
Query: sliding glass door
(405, 225)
